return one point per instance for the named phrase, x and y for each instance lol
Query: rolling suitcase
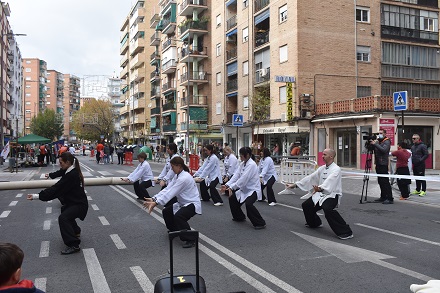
(182, 283)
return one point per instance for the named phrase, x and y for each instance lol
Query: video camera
(369, 138)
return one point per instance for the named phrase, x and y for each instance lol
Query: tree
(47, 124)
(94, 119)
(260, 105)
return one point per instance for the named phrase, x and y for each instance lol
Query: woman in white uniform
(209, 176)
(230, 165)
(245, 188)
(141, 177)
(184, 189)
(268, 176)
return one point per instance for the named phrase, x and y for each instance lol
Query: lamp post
(187, 98)
(2, 85)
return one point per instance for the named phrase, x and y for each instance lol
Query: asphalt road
(124, 249)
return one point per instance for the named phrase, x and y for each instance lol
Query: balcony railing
(231, 54)
(167, 43)
(185, 3)
(231, 22)
(231, 85)
(195, 75)
(169, 64)
(195, 25)
(169, 85)
(194, 126)
(154, 20)
(169, 127)
(193, 51)
(261, 38)
(409, 34)
(262, 75)
(169, 106)
(155, 38)
(194, 100)
(260, 4)
(155, 111)
(154, 74)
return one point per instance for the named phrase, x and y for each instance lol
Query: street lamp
(2, 44)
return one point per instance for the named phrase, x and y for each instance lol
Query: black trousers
(334, 219)
(251, 211)
(212, 189)
(384, 183)
(98, 156)
(140, 188)
(419, 170)
(403, 184)
(120, 158)
(270, 193)
(179, 220)
(68, 226)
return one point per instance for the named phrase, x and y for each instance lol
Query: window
(218, 77)
(363, 53)
(218, 108)
(245, 68)
(363, 14)
(283, 95)
(218, 20)
(428, 24)
(283, 13)
(245, 35)
(363, 91)
(28, 95)
(28, 70)
(47, 103)
(245, 3)
(28, 86)
(28, 103)
(28, 78)
(283, 53)
(178, 97)
(245, 102)
(218, 49)
(28, 62)
(28, 111)
(178, 74)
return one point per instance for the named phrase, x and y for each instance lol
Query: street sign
(237, 120)
(400, 100)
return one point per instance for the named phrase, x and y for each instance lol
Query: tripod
(367, 171)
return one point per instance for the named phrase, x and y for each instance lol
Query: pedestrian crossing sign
(400, 100)
(237, 120)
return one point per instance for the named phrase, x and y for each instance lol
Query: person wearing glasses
(382, 147)
(419, 155)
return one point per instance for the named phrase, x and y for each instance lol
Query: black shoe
(259, 227)
(379, 200)
(189, 244)
(345, 236)
(319, 226)
(387, 201)
(70, 250)
(238, 220)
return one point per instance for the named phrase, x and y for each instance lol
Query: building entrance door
(346, 152)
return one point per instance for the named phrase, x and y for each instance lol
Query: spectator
(11, 260)
(120, 152)
(99, 149)
(381, 154)
(419, 155)
(402, 155)
(84, 149)
(106, 154)
(296, 150)
(72, 149)
(112, 150)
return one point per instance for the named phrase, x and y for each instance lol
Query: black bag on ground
(182, 283)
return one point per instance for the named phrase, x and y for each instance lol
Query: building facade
(135, 115)
(55, 93)
(114, 93)
(71, 104)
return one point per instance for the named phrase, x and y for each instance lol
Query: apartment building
(35, 89)
(135, 115)
(71, 104)
(55, 93)
(114, 93)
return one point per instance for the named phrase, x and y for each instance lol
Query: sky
(78, 37)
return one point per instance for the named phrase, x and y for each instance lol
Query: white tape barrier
(426, 178)
(34, 184)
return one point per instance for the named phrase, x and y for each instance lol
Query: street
(124, 249)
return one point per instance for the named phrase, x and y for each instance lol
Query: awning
(230, 2)
(233, 32)
(232, 94)
(262, 16)
(232, 68)
(343, 118)
(198, 114)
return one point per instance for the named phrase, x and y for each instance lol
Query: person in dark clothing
(70, 192)
(48, 154)
(381, 153)
(11, 260)
(419, 155)
(120, 153)
(402, 155)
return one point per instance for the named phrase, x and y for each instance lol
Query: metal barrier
(294, 170)
(128, 158)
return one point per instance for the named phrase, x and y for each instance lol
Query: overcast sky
(78, 37)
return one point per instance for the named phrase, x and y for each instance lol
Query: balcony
(169, 86)
(231, 22)
(195, 77)
(170, 106)
(260, 4)
(197, 27)
(193, 52)
(196, 100)
(155, 111)
(139, 104)
(262, 75)
(169, 66)
(231, 54)
(154, 76)
(407, 34)
(168, 25)
(169, 128)
(139, 118)
(124, 45)
(124, 72)
(231, 85)
(168, 43)
(154, 58)
(194, 126)
(137, 45)
(155, 92)
(261, 38)
(188, 6)
(155, 39)
(229, 117)
(124, 60)
(154, 20)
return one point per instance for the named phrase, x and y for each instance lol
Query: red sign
(387, 124)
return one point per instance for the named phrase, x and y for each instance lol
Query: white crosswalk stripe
(105, 173)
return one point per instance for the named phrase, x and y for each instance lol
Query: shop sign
(388, 125)
(289, 98)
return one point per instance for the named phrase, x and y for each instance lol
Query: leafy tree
(260, 105)
(47, 124)
(94, 119)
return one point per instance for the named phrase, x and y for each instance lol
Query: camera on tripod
(368, 139)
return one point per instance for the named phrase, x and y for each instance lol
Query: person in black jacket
(381, 153)
(70, 192)
(419, 155)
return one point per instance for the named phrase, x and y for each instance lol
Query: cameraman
(381, 152)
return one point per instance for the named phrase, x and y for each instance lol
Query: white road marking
(13, 203)
(48, 210)
(104, 173)
(87, 174)
(104, 221)
(46, 225)
(123, 172)
(44, 249)
(89, 197)
(4, 214)
(351, 254)
(19, 195)
(43, 176)
(398, 234)
(117, 241)
(97, 277)
(142, 279)
(40, 283)
(94, 207)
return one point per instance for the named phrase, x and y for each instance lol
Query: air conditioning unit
(263, 72)
(283, 117)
